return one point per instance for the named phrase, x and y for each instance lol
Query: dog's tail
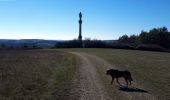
(131, 78)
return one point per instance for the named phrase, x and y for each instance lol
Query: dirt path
(91, 83)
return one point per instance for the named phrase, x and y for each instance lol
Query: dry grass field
(35, 75)
(74, 74)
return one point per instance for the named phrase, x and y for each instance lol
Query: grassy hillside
(151, 69)
(35, 75)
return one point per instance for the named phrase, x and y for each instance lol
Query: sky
(102, 19)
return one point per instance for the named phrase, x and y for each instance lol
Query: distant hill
(40, 43)
(29, 42)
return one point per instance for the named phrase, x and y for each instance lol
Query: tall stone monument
(80, 28)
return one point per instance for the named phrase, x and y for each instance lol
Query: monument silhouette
(80, 29)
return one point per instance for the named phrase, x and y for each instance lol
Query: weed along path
(91, 83)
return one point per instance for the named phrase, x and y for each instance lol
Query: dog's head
(111, 71)
(108, 72)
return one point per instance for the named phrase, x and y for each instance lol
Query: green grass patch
(61, 84)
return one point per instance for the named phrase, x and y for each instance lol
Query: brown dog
(117, 74)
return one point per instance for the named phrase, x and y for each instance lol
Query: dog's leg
(130, 82)
(112, 80)
(126, 81)
(117, 81)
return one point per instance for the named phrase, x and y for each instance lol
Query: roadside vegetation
(35, 75)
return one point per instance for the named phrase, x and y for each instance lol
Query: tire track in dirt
(91, 83)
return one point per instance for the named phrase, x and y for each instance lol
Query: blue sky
(102, 19)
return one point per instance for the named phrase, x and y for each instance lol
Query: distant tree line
(87, 43)
(21, 47)
(68, 44)
(156, 38)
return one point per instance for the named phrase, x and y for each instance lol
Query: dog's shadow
(132, 89)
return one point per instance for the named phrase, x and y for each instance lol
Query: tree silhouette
(157, 36)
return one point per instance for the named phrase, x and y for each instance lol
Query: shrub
(150, 47)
